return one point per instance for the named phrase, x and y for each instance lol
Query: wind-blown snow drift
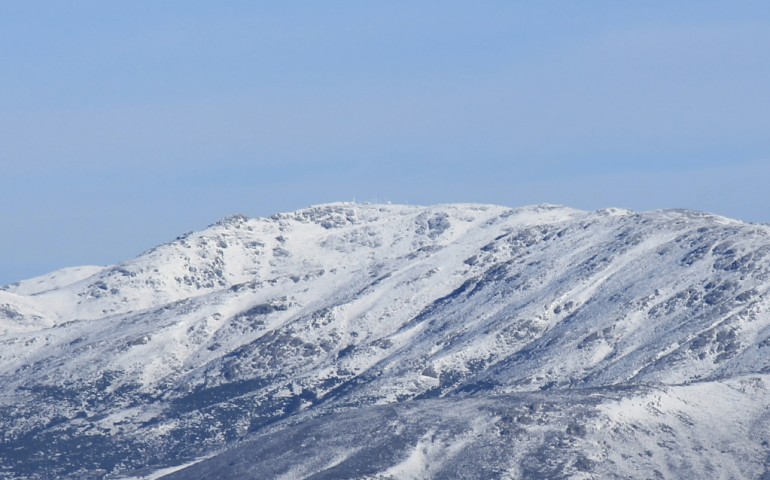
(383, 341)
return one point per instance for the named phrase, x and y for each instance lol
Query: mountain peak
(508, 341)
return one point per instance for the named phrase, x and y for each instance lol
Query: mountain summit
(390, 341)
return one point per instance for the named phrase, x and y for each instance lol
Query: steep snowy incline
(448, 328)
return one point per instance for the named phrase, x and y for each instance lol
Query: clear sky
(125, 123)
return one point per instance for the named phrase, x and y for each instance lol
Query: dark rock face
(374, 341)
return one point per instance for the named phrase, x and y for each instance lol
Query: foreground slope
(381, 341)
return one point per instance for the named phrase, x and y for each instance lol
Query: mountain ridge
(551, 326)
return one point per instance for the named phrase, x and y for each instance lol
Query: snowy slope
(387, 341)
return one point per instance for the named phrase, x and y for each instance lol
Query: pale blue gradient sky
(126, 123)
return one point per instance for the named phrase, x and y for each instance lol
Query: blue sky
(126, 123)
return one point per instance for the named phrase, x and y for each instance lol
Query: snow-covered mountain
(384, 341)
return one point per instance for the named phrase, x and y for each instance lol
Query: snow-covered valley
(388, 341)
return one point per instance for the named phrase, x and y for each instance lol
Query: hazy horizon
(124, 125)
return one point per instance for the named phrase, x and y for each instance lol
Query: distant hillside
(390, 341)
